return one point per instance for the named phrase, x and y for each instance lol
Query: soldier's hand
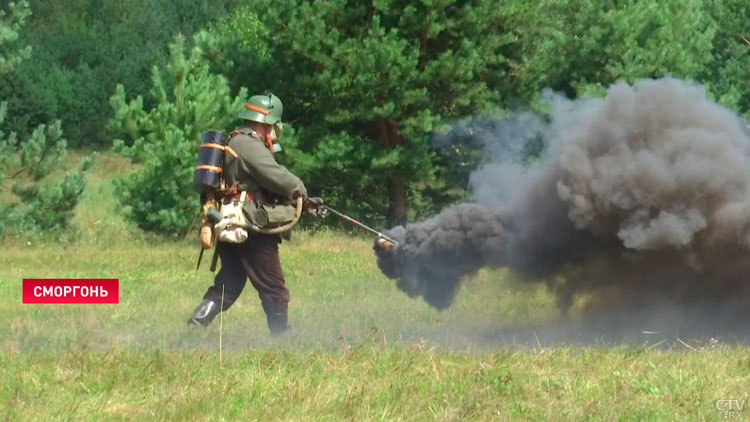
(315, 207)
(315, 202)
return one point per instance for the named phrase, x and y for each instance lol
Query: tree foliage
(163, 141)
(366, 83)
(584, 46)
(237, 48)
(726, 75)
(10, 23)
(27, 202)
(83, 48)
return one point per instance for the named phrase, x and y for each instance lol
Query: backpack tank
(210, 159)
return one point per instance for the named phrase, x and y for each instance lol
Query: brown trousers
(257, 259)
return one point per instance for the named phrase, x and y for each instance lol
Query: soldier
(249, 166)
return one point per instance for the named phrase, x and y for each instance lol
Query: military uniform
(271, 188)
(249, 165)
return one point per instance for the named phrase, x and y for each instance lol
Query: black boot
(276, 316)
(204, 313)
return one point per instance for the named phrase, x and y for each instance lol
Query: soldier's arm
(258, 161)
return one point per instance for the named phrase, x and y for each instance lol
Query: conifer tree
(163, 141)
(27, 202)
(727, 75)
(10, 23)
(585, 46)
(368, 81)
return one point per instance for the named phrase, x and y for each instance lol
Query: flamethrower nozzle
(383, 241)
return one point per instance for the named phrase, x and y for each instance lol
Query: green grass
(372, 382)
(359, 349)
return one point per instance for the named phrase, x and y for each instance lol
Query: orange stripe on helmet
(258, 109)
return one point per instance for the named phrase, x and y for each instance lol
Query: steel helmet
(263, 109)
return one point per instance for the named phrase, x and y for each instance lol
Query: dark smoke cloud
(429, 262)
(639, 197)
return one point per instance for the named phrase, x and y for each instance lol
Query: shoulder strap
(241, 130)
(246, 131)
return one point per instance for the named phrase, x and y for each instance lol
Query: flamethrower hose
(214, 215)
(357, 223)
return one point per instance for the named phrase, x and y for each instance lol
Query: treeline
(81, 49)
(367, 85)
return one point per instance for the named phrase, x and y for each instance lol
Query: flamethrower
(213, 216)
(383, 241)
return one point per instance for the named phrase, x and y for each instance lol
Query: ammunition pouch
(267, 216)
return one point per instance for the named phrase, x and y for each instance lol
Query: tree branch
(423, 42)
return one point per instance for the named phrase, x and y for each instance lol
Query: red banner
(71, 290)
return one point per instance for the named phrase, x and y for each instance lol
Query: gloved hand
(315, 207)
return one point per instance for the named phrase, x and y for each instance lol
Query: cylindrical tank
(210, 159)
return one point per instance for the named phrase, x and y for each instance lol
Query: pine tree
(164, 140)
(10, 23)
(83, 48)
(727, 74)
(585, 46)
(366, 82)
(27, 203)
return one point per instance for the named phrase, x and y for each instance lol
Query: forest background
(371, 89)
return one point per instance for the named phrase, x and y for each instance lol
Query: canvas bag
(231, 226)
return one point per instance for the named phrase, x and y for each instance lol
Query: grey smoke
(637, 198)
(430, 261)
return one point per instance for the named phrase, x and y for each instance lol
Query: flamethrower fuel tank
(210, 159)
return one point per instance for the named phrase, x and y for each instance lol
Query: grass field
(359, 348)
